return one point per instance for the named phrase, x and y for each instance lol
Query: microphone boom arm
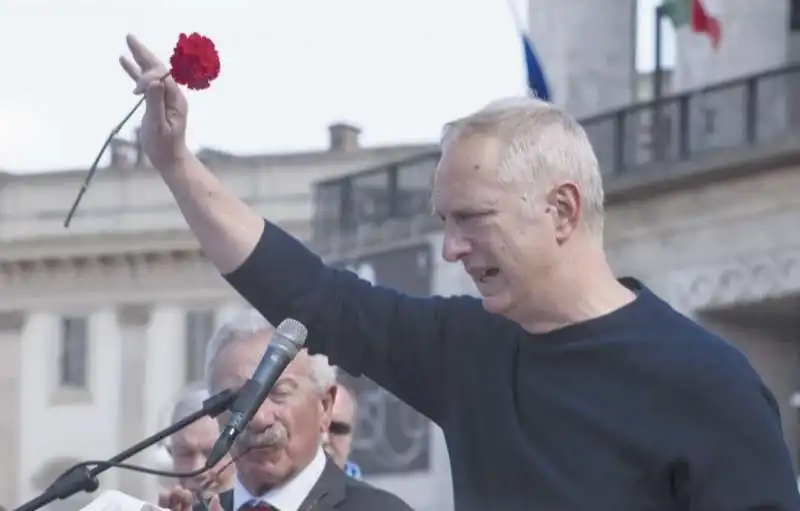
(81, 478)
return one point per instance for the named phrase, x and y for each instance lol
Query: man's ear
(565, 202)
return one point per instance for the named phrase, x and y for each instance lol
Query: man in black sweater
(563, 388)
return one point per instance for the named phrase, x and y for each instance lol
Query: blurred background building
(101, 325)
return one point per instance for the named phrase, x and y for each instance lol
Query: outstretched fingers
(130, 68)
(145, 67)
(146, 59)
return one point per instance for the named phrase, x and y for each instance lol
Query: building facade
(102, 324)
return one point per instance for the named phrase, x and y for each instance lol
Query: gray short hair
(251, 322)
(541, 143)
(190, 400)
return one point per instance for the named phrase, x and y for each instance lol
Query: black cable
(136, 468)
(152, 471)
(83, 476)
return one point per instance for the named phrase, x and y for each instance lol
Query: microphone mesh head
(293, 331)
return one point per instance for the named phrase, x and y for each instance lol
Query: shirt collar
(290, 495)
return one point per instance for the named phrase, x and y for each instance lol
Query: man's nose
(263, 418)
(454, 245)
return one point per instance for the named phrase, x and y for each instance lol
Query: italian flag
(693, 13)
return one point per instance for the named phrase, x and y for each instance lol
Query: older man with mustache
(280, 461)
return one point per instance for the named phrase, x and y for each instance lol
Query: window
(794, 16)
(199, 329)
(74, 353)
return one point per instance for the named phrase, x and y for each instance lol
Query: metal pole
(658, 90)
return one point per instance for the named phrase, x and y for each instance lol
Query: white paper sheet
(113, 500)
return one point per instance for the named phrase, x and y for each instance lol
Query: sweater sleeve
(400, 342)
(747, 465)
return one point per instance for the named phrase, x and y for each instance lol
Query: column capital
(134, 314)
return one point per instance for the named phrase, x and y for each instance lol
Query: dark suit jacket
(335, 490)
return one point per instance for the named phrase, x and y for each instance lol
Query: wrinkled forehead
(239, 358)
(468, 173)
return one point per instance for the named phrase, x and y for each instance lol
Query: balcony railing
(642, 138)
(371, 198)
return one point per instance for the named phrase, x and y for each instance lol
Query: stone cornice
(169, 265)
(90, 245)
(738, 281)
(131, 278)
(186, 275)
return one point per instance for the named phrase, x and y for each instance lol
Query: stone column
(37, 383)
(133, 323)
(165, 377)
(587, 49)
(11, 324)
(100, 435)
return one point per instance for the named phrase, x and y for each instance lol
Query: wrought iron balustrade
(642, 138)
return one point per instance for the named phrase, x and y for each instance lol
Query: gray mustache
(274, 436)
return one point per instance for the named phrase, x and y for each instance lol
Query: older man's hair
(190, 400)
(251, 322)
(541, 144)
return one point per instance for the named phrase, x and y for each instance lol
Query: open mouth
(489, 273)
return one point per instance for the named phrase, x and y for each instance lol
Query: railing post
(347, 220)
(751, 111)
(684, 128)
(619, 142)
(658, 131)
(394, 191)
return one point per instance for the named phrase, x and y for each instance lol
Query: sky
(397, 69)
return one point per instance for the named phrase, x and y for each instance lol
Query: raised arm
(405, 344)
(402, 343)
(227, 228)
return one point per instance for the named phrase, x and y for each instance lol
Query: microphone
(286, 343)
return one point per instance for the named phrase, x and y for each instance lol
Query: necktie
(257, 505)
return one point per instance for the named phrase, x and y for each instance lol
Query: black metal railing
(373, 197)
(642, 138)
(749, 111)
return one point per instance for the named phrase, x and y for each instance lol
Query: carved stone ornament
(740, 281)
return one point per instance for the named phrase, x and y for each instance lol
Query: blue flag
(537, 83)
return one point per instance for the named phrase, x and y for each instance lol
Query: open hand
(163, 130)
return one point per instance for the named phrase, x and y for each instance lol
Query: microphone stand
(81, 478)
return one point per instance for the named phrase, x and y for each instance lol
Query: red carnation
(195, 61)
